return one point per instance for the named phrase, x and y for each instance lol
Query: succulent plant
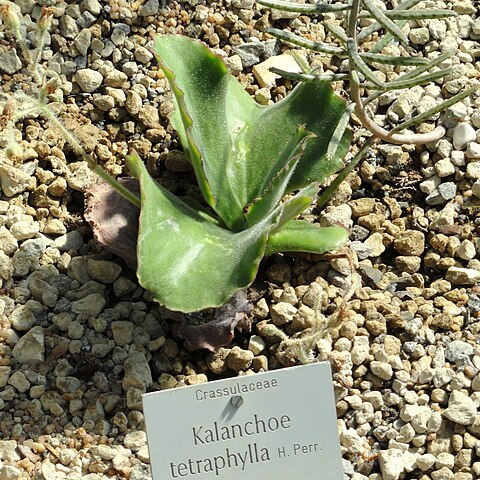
(257, 167)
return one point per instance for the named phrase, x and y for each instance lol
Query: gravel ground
(80, 341)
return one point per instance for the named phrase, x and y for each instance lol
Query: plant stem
(77, 148)
(399, 139)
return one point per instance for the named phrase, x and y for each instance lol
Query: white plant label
(270, 426)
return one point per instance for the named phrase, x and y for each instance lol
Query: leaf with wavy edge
(187, 262)
(273, 194)
(233, 142)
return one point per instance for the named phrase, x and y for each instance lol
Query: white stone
(473, 150)
(360, 351)
(391, 463)
(467, 250)
(256, 344)
(282, 313)
(461, 409)
(342, 214)
(463, 134)
(426, 461)
(135, 440)
(88, 80)
(24, 229)
(14, 180)
(458, 158)
(462, 276)
(266, 78)
(381, 369)
(430, 184)
(444, 168)
(473, 170)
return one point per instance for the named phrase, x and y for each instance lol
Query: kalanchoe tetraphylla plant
(360, 74)
(246, 158)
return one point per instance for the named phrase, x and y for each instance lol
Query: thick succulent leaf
(302, 236)
(279, 122)
(273, 193)
(294, 206)
(181, 252)
(238, 142)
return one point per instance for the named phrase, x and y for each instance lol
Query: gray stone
(89, 306)
(446, 191)
(18, 381)
(137, 372)
(30, 349)
(252, 53)
(122, 332)
(68, 27)
(22, 318)
(70, 241)
(82, 41)
(10, 62)
(151, 7)
(86, 19)
(458, 351)
(103, 270)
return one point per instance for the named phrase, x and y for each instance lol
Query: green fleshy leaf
(180, 252)
(302, 236)
(273, 193)
(388, 60)
(297, 204)
(305, 43)
(360, 65)
(238, 141)
(388, 24)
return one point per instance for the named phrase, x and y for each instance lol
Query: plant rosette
(258, 168)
